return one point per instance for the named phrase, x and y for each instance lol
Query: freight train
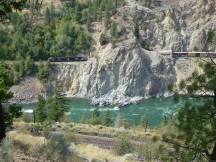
(187, 54)
(194, 54)
(67, 59)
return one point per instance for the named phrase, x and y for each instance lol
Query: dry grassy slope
(86, 146)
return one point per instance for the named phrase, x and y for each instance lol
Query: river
(155, 109)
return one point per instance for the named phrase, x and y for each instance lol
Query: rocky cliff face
(128, 72)
(122, 76)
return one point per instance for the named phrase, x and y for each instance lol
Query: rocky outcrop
(26, 91)
(122, 76)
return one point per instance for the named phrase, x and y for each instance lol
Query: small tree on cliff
(6, 113)
(196, 122)
(136, 30)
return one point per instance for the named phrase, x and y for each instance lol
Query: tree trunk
(213, 154)
(2, 123)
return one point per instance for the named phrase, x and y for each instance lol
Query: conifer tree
(144, 122)
(7, 6)
(136, 30)
(95, 119)
(40, 111)
(6, 113)
(113, 30)
(196, 122)
(103, 39)
(56, 105)
(107, 118)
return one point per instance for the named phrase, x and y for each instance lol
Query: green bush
(211, 37)
(152, 151)
(136, 30)
(146, 46)
(6, 151)
(107, 119)
(147, 3)
(121, 122)
(27, 117)
(122, 145)
(103, 39)
(43, 72)
(95, 119)
(57, 148)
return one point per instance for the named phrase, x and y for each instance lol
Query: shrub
(121, 122)
(113, 30)
(95, 119)
(122, 145)
(25, 142)
(6, 150)
(147, 3)
(103, 39)
(107, 119)
(211, 37)
(144, 122)
(136, 30)
(27, 117)
(69, 136)
(150, 150)
(43, 72)
(146, 46)
(57, 148)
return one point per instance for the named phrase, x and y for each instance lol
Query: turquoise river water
(155, 109)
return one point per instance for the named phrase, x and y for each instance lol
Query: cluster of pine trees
(62, 32)
(51, 109)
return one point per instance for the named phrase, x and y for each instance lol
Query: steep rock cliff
(122, 76)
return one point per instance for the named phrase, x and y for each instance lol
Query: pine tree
(113, 30)
(144, 122)
(107, 118)
(28, 65)
(95, 119)
(196, 122)
(7, 6)
(120, 121)
(56, 105)
(136, 30)
(106, 18)
(6, 113)
(40, 111)
(103, 39)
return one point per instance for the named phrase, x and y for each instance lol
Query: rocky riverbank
(26, 91)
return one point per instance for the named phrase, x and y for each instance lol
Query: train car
(180, 54)
(165, 52)
(67, 59)
(204, 54)
(194, 54)
(212, 54)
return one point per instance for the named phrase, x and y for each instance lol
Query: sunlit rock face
(122, 76)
